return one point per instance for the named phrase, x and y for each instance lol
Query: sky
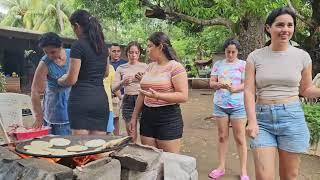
(3, 10)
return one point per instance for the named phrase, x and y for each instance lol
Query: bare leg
(288, 165)
(98, 133)
(223, 135)
(116, 130)
(80, 132)
(264, 161)
(238, 127)
(172, 146)
(148, 141)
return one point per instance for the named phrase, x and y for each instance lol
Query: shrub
(312, 114)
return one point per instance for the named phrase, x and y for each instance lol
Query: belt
(277, 101)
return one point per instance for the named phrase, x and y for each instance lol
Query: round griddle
(75, 140)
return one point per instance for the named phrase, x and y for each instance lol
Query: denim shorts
(59, 129)
(234, 113)
(282, 126)
(110, 123)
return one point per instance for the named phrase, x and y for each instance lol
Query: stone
(5, 153)
(179, 167)
(111, 170)
(138, 157)
(153, 173)
(33, 169)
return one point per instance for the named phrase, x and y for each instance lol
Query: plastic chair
(11, 105)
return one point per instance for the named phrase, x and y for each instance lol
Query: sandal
(216, 173)
(244, 178)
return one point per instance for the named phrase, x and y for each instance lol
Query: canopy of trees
(196, 27)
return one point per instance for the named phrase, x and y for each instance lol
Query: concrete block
(33, 169)
(111, 170)
(153, 173)
(179, 167)
(37, 167)
(5, 153)
(138, 157)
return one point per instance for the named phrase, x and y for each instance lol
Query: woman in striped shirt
(163, 87)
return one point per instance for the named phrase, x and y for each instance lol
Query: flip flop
(217, 173)
(244, 178)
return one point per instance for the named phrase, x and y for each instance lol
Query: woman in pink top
(164, 86)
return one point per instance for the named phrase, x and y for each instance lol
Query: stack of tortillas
(58, 146)
(44, 148)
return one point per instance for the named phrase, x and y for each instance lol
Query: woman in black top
(88, 104)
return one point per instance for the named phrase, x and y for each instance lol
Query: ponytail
(160, 38)
(95, 35)
(91, 29)
(169, 52)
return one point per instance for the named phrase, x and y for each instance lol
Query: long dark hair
(160, 38)
(278, 12)
(133, 43)
(91, 28)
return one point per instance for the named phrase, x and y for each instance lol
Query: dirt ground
(200, 137)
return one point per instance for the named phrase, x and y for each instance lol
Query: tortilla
(76, 148)
(114, 142)
(38, 152)
(27, 147)
(60, 141)
(95, 143)
(99, 149)
(60, 152)
(41, 144)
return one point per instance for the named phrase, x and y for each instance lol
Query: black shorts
(162, 123)
(127, 107)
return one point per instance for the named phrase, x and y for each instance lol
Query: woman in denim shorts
(227, 78)
(275, 76)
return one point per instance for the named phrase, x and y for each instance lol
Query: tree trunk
(251, 35)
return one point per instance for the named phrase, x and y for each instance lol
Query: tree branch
(301, 17)
(205, 22)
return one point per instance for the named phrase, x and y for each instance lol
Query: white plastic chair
(11, 105)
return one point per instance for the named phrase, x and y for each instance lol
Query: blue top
(116, 64)
(56, 97)
(55, 71)
(232, 74)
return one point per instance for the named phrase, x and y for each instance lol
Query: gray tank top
(278, 73)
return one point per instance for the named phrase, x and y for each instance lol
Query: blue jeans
(59, 129)
(110, 125)
(233, 113)
(282, 126)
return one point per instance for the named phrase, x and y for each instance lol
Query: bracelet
(157, 96)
